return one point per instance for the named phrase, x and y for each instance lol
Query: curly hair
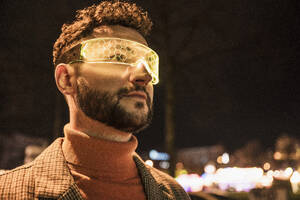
(105, 13)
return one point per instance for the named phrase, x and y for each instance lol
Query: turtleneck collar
(99, 157)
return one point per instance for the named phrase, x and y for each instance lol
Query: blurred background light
(190, 182)
(149, 162)
(267, 166)
(155, 155)
(225, 158)
(164, 164)
(210, 168)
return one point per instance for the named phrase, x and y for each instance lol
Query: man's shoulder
(15, 173)
(17, 181)
(47, 174)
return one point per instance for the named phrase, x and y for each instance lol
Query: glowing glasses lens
(115, 50)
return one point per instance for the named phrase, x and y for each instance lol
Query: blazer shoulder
(18, 181)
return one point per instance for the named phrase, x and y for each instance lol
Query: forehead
(118, 32)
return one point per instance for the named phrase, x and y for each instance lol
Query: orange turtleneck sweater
(102, 169)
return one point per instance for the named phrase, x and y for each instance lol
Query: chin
(133, 121)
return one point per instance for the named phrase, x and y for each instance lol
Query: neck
(79, 121)
(89, 152)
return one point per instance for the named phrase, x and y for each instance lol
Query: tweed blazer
(48, 177)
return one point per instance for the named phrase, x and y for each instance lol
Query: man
(106, 71)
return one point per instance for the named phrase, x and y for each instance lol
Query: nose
(140, 75)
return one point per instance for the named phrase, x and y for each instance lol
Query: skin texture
(109, 79)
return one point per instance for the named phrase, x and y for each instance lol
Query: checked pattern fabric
(48, 178)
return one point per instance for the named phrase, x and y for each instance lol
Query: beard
(105, 107)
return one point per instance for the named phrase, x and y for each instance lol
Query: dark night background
(237, 69)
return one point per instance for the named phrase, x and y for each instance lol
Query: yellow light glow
(149, 162)
(277, 155)
(179, 172)
(219, 159)
(120, 51)
(267, 166)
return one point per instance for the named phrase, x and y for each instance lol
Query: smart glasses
(119, 51)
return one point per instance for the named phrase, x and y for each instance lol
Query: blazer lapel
(153, 189)
(71, 194)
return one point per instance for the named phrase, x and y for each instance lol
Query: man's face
(118, 95)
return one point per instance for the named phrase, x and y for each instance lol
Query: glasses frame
(155, 76)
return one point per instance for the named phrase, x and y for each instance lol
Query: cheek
(105, 77)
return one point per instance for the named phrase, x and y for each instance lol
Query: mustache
(124, 91)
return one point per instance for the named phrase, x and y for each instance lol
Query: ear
(65, 79)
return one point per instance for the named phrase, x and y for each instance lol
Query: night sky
(236, 62)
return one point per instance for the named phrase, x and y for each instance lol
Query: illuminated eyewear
(119, 51)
